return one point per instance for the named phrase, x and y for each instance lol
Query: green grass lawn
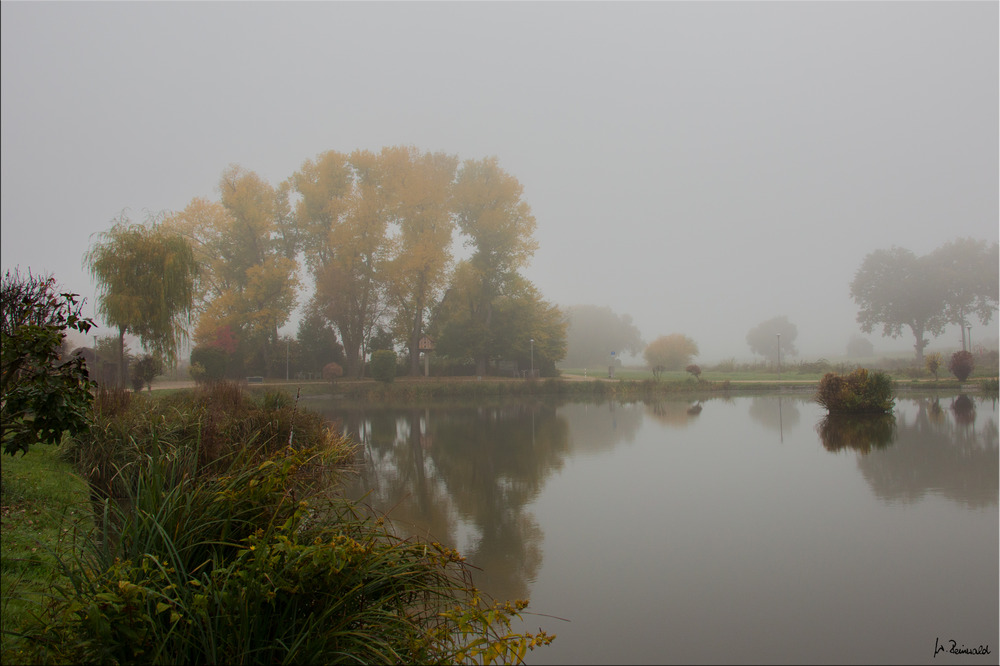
(44, 503)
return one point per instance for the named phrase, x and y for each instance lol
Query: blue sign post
(611, 368)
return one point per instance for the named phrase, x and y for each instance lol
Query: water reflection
(955, 457)
(776, 412)
(597, 427)
(463, 475)
(674, 413)
(538, 495)
(860, 432)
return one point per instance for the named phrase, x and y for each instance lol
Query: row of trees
(894, 289)
(897, 289)
(373, 232)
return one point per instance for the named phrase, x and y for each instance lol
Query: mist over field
(700, 167)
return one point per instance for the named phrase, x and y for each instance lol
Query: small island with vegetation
(861, 392)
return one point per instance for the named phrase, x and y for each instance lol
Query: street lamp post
(286, 360)
(532, 358)
(779, 356)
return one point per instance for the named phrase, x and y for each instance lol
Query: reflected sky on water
(741, 529)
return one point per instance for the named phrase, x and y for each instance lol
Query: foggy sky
(700, 166)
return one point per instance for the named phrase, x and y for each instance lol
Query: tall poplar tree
(246, 245)
(499, 228)
(343, 216)
(418, 187)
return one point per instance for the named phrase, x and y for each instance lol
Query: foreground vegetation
(215, 538)
(44, 507)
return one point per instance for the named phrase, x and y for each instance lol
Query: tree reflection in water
(464, 474)
(954, 457)
(674, 413)
(467, 475)
(860, 432)
(964, 410)
(776, 412)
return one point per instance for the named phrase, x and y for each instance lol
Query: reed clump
(860, 392)
(219, 540)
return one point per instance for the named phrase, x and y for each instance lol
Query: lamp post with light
(532, 358)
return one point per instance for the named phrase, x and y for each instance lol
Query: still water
(730, 530)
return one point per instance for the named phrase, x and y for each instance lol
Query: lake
(743, 529)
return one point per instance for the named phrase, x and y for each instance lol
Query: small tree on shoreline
(961, 365)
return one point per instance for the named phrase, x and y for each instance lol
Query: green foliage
(933, 363)
(467, 344)
(383, 365)
(499, 228)
(144, 370)
(318, 344)
(961, 365)
(212, 364)
(41, 395)
(862, 391)
(44, 506)
(146, 278)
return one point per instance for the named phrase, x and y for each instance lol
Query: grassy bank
(44, 511)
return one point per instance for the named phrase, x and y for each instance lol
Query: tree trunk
(920, 344)
(415, 346)
(121, 357)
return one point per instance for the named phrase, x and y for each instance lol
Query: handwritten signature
(956, 649)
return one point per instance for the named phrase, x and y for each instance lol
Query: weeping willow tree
(145, 277)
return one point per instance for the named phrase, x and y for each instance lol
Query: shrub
(961, 365)
(41, 394)
(333, 371)
(933, 363)
(144, 370)
(216, 422)
(694, 370)
(862, 391)
(383, 367)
